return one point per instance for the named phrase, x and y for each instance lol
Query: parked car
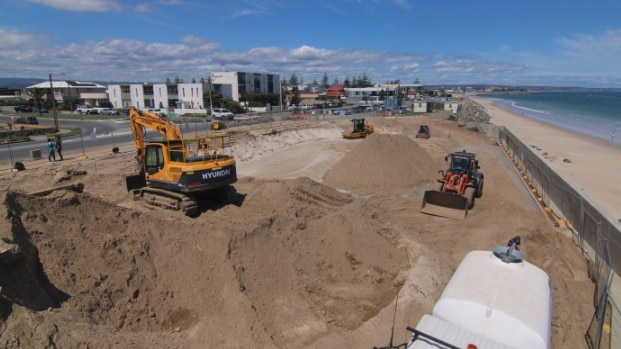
(109, 111)
(87, 110)
(31, 120)
(221, 114)
(23, 108)
(161, 112)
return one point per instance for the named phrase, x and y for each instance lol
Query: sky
(527, 42)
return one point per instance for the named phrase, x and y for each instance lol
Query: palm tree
(37, 94)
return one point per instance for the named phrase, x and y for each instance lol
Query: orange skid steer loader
(456, 189)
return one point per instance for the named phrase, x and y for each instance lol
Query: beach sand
(593, 164)
(327, 247)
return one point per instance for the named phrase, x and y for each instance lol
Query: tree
(347, 83)
(364, 81)
(37, 94)
(324, 81)
(295, 95)
(293, 80)
(382, 94)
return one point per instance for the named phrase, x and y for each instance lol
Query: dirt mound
(329, 267)
(381, 164)
(298, 264)
(304, 265)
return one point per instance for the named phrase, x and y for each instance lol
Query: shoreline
(577, 124)
(588, 162)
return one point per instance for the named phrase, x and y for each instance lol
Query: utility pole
(210, 100)
(54, 101)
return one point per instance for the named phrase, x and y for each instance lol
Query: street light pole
(210, 100)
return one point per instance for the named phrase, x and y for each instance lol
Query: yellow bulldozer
(361, 130)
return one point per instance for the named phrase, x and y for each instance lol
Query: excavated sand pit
(313, 260)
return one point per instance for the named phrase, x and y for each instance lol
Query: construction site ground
(326, 249)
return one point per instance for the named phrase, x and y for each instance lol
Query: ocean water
(593, 113)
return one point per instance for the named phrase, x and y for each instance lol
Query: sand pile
(382, 164)
(298, 264)
(301, 263)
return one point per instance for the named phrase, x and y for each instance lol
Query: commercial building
(235, 84)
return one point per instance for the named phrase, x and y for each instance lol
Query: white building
(88, 93)
(451, 105)
(420, 106)
(182, 97)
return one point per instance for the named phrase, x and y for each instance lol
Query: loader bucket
(449, 205)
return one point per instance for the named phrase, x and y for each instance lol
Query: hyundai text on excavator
(174, 172)
(361, 130)
(455, 191)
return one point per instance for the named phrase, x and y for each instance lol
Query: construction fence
(593, 230)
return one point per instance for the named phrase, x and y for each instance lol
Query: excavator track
(167, 200)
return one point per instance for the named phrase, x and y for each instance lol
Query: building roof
(335, 91)
(67, 84)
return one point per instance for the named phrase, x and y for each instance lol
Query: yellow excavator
(174, 172)
(361, 130)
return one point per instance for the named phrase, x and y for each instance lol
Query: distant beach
(593, 161)
(593, 113)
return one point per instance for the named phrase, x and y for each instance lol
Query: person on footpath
(59, 147)
(51, 155)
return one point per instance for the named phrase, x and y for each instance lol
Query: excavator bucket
(133, 182)
(443, 204)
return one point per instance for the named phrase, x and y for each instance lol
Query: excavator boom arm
(140, 119)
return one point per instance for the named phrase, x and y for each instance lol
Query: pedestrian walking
(51, 155)
(59, 147)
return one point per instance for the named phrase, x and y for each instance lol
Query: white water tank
(506, 302)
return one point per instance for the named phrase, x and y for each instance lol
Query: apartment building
(185, 97)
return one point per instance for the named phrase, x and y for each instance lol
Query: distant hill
(19, 83)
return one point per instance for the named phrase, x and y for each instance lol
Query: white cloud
(81, 5)
(143, 8)
(607, 43)
(308, 52)
(30, 55)
(592, 54)
(13, 39)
